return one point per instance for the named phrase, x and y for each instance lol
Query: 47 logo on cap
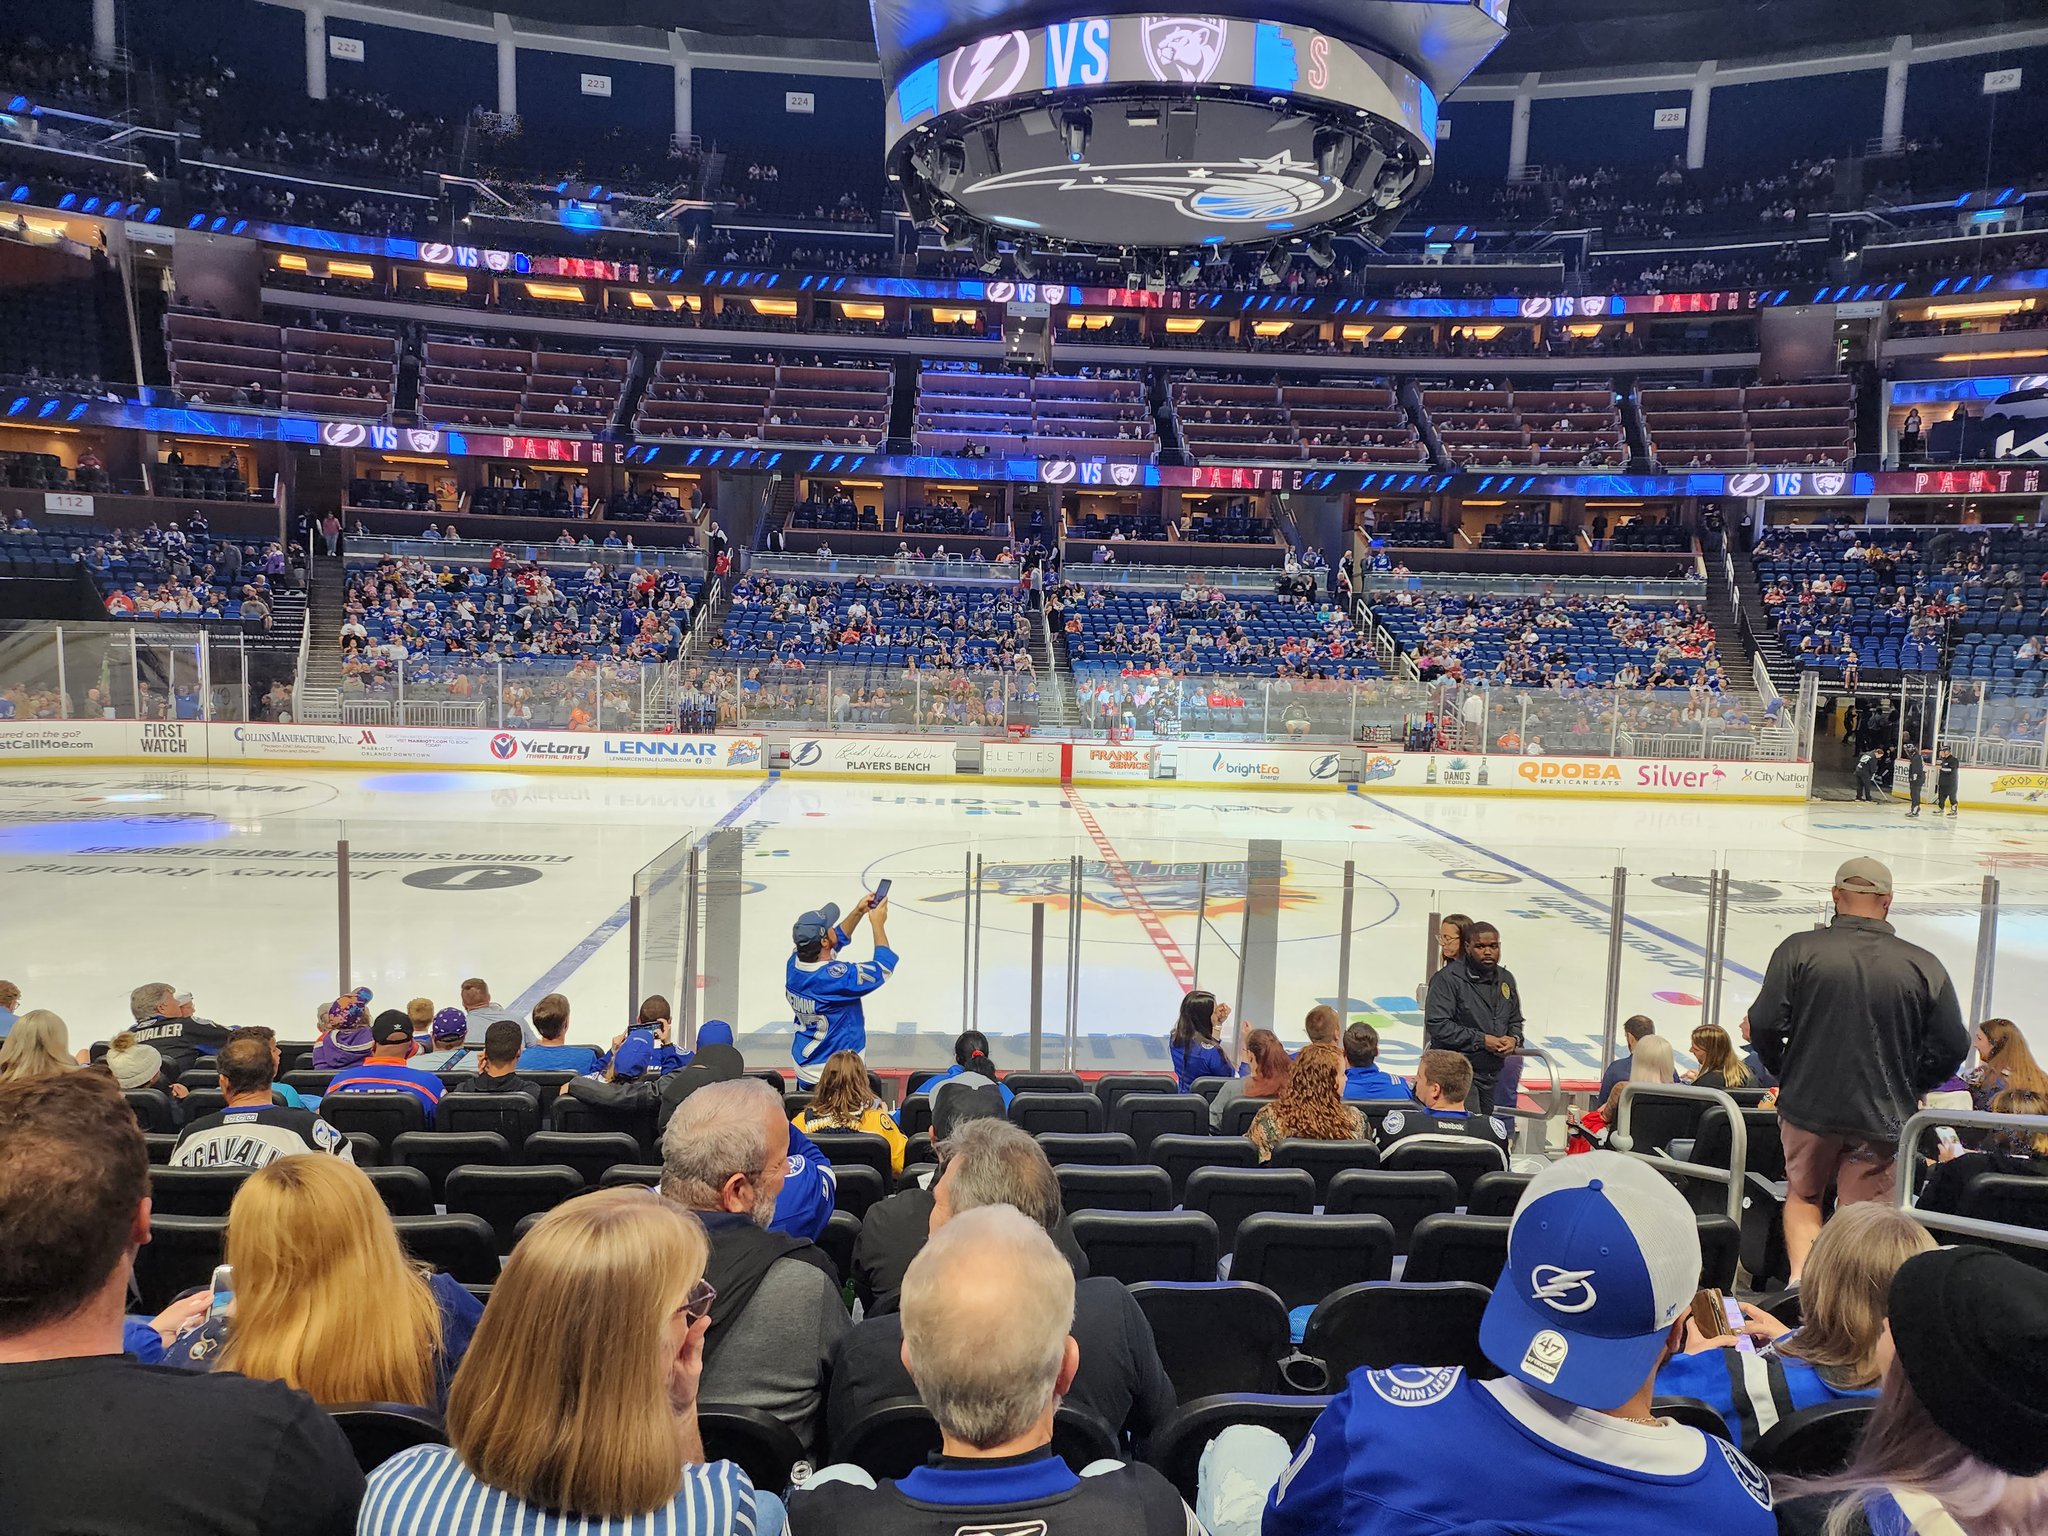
(1545, 1357)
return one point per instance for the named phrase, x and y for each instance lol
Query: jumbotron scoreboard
(1166, 132)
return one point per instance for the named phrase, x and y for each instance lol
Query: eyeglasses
(698, 1303)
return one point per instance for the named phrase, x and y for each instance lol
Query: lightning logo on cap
(1553, 1287)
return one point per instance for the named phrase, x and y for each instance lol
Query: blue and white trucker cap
(1603, 1257)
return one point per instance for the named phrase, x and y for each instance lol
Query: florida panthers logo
(1184, 49)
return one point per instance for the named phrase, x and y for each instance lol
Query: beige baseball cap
(1866, 876)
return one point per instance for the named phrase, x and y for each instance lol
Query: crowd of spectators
(1550, 642)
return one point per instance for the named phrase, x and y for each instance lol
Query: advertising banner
(844, 754)
(1022, 759)
(1123, 761)
(1292, 767)
(2007, 789)
(1584, 777)
(83, 739)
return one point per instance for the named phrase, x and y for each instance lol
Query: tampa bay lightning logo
(805, 753)
(1748, 484)
(1247, 191)
(1414, 1386)
(1324, 767)
(988, 69)
(1184, 49)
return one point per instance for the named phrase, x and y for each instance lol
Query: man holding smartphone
(825, 992)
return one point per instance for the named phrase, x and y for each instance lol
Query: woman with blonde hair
(1958, 1442)
(2004, 1061)
(39, 1045)
(326, 1299)
(1311, 1107)
(576, 1409)
(1840, 1348)
(845, 1101)
(1721, 1065)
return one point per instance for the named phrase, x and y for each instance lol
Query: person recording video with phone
(825, 991)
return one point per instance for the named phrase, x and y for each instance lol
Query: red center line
(1120, 876)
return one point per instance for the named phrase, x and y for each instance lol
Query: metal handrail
(1556, 1089)
(1738, 1137)
(1962, 1226)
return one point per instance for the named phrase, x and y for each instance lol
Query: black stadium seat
(386, 1116)
(1148, 1245)
(1496, 1194)
(194, 1191)
(1085, 1187)
(1471, 1248)
(1112, 1086)
(501, 1196)
(1111, 1149)
(153, 1110)
(404, 1191)
(1302, 1259)
(460, 1245)
(1078, 1114)
(439, 1153)
(1465, 1164)
(1044, 1082)
(1176, 1447)
(631, 1176)
(1239, 1114)
(1216, 1335)
(757, 1442)
(855, 1187)
(379, 1431)
(1381, 1325)
(1229, 1195)
(514, 1116)
(1813, 1442)
(576, 1118)
(1180, 1156)
(898, 1435)
(1403, 1198)
(842, 1230)
(590, 1153)
(1324, 1160)
(160, 1145)
(856, 1148)
(1145, 1116)
(180, 1256)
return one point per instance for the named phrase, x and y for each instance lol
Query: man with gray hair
(167, 1019)
(777, 1315)
(988, 1308)
(1121, 1382)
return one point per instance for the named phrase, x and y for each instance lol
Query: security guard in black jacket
(1475, 1009)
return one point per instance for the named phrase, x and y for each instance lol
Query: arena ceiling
(1548, 35)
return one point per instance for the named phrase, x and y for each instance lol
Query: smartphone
(881, 892)
(222, 1291)
(1743, 1341)
(1946, 1135)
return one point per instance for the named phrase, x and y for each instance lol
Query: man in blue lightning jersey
(825, 991)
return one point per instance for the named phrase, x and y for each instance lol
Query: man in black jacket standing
(1475, 1009)
(1857, 1024)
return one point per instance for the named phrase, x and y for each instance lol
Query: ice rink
(223, 882)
